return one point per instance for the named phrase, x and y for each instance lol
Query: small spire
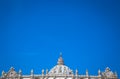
(60, 60)
(42, 71)
(32, 72)
(86, 72)
(76, 72)
(99, 72)
(20, 72)
(116, 74)
(46, 71)
(3, 72)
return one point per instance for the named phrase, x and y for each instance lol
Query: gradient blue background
(34, 32)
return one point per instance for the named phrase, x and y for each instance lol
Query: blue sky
(34, 32)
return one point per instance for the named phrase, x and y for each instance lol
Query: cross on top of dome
(60, 60)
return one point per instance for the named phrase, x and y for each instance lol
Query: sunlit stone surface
(60, 71)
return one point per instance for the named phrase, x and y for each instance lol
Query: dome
(60, 68)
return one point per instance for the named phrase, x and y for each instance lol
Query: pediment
(108, 73)
(12, 73)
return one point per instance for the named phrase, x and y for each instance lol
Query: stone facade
(60, 71)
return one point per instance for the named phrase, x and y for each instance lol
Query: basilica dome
(60, 68)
